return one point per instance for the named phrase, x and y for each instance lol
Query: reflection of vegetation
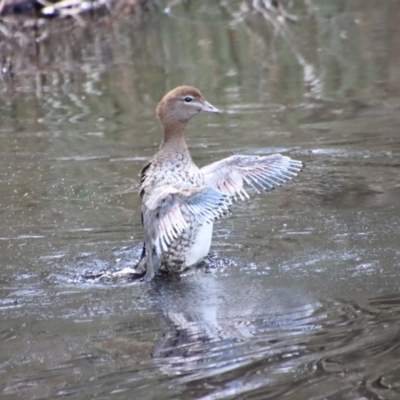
(255, 50)
(36, 53)
(64, 8)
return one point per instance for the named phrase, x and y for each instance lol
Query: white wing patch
(259, 172)
(169, 209)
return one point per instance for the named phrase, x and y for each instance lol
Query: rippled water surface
(302, 300)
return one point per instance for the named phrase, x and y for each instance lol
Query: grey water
(303, 301)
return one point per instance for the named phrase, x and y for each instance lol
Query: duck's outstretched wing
(169, 209)
(260, 172)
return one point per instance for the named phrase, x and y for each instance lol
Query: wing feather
(259, 172)
(167, 207)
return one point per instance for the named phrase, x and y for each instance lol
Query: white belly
(201, 245)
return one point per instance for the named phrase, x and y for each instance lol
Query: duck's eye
(188, 99)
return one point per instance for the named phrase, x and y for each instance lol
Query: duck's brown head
(181, 104)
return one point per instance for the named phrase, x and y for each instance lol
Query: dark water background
(306, 301)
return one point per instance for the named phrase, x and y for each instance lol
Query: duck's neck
(174, 141)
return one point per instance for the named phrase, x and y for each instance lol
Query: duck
(181, 201)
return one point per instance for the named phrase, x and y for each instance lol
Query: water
(303, 302)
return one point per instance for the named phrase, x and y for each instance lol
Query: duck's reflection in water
(215, 324)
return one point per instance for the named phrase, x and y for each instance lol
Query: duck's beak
(209, 108)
